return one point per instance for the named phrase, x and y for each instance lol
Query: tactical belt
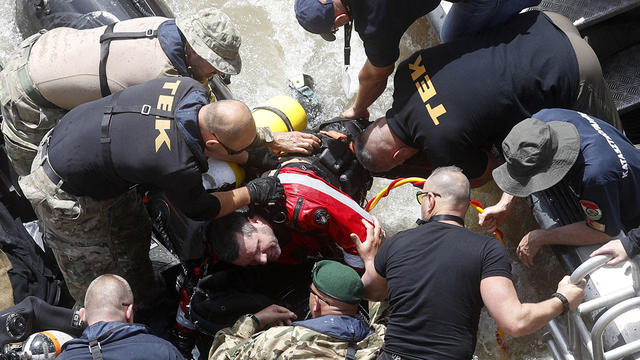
(105, 42)
(105, 139)
(52, 174)
(27, 83)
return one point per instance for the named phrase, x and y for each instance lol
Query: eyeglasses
(319, 297)
(420, 194)
(229, 151)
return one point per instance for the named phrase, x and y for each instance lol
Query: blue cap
(314, 16)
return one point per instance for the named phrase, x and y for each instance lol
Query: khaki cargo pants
(90, 237)
(25, 122)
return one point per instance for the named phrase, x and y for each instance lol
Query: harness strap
(105, 42)
(95, 349)
(105, 139)
(282, 115)
(351, 351)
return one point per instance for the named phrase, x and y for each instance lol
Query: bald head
(453, 187)
(231, 122)
(108, 298)
(378, 149)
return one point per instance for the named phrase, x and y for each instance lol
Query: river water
(274, 48)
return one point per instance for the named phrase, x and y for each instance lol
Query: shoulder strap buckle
(146, 109)
(95, 349)
(150, 33)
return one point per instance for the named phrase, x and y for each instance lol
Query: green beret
(338, 281)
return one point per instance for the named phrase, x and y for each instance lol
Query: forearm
(373, 81)
(575, 234)
(232, 200)
(531, 317)
(506, 201)
(375, 286)
(228, 338)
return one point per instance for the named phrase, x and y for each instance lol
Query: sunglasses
(228, 150)
(420, 194)
(320, 297)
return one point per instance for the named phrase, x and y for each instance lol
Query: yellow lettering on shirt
(425, 89)
(165, 102)
(162, 126)
(435, 112)
(416, 69)
(173, 86)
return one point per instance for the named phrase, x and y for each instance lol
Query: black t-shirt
(456, 99)
(433, 275)
(381, 24)
(147, 150)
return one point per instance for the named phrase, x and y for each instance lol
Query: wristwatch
(565, 302)
(255, 320)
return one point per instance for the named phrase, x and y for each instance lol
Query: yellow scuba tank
(281, 114)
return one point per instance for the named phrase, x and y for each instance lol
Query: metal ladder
(578, 342)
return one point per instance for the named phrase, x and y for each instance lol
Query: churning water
(274, 48)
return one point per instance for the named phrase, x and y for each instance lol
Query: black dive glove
(266, 191)
(262, 158)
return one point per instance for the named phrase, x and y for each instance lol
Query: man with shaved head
(157, 134)
(438, 276)
(111, 333)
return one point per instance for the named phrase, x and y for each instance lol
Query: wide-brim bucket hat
(213, 37)
(538, 155)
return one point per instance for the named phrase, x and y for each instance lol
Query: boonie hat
(316, 17)
(538, 155)
(214, 38)
(338, 281)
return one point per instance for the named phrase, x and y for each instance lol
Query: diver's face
(258, 248)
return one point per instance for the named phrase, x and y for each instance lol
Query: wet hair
(451, 187)
(223, 233)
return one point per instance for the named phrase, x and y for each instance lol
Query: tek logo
(425, 88)
(165, 102)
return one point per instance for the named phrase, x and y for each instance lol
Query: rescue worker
(55, 71)
(83, 180)
(453, 104)
(564, 147)
(381, 24)
(466, 270)
(334, 332)
(323, 194)
(111, 332)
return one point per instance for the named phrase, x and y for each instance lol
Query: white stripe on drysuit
(323, 187)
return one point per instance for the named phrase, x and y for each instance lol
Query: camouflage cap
(214, 38)
(338, 281)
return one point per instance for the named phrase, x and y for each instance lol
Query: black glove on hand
(262, 158)
(266, 191)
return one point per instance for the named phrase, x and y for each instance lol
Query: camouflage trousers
(90, 237)
(24, 121)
